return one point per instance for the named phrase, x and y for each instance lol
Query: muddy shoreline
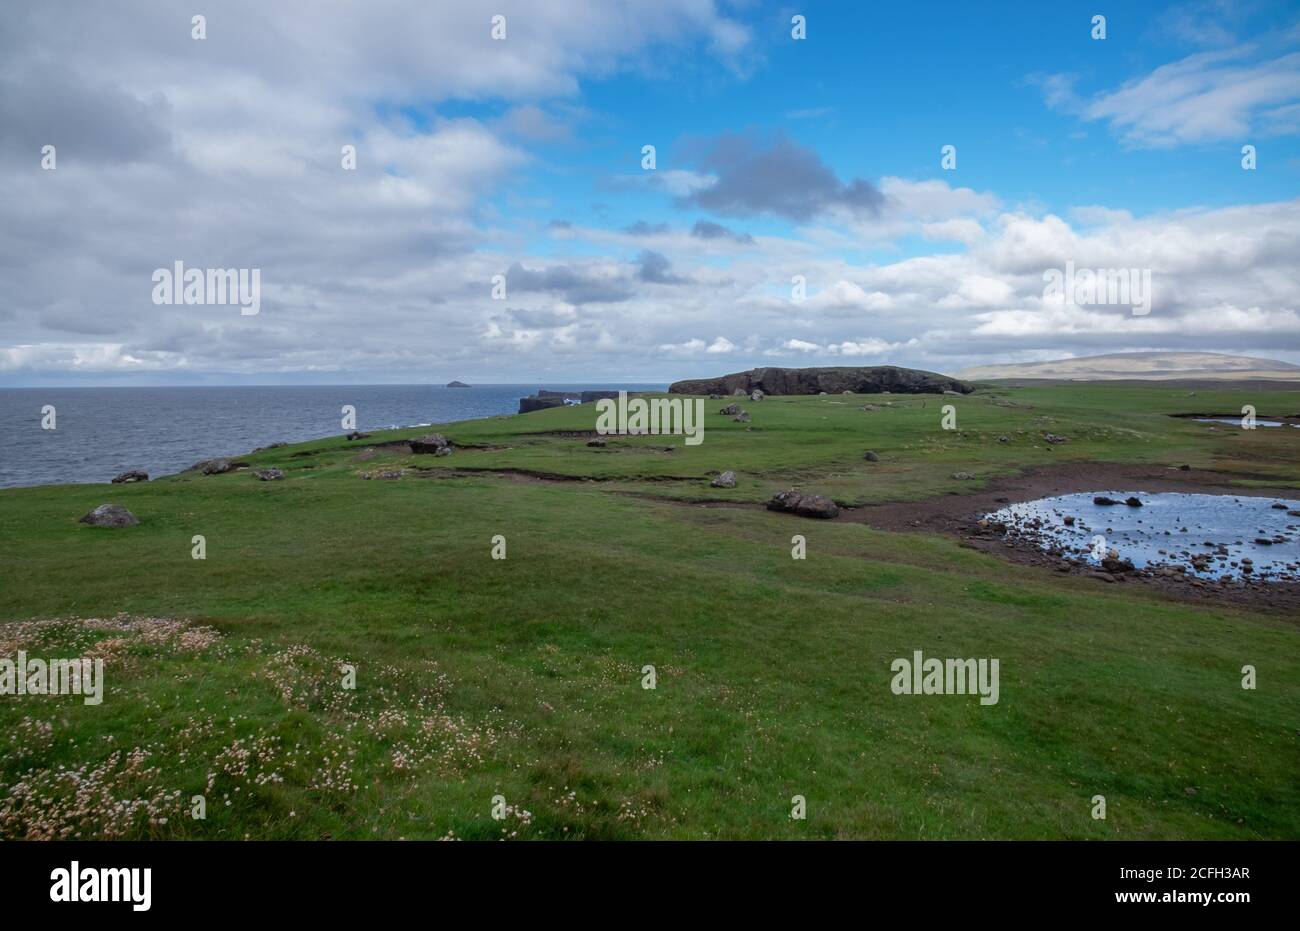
(958, 516)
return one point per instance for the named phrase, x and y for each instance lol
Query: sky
(502, 222)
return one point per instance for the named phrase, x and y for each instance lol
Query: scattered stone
(1004, 439)
(1069, 521)
(388, 474)
(738, 393)
(598, 442)
(1133, 501)
(429, 443)
(1184, 468)
(730, 410)
(358, 435)
(871, 456)
(443, 451)
(1055, 438)
(269, 475)
(1263, 541)
(1103, 500)
(134, 475)
(794, 502)
(715, 397)
(1114, 565)
(110, 515)
(742, 417)
(214, 466)
(725, 480)
(963, 476)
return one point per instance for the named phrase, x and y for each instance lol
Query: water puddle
(1236, 422)
(1208, 536)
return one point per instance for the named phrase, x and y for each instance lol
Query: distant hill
(1156, 366)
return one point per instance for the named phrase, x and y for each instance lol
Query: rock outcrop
(134, 475)
(545, 399)
(835, 380)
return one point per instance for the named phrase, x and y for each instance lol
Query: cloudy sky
(522, 157)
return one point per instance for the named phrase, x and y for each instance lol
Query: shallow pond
(1210, 536)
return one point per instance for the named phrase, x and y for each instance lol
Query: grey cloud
(642, 228)
(776, 176)
(654, 268)
(84, 122)
(707, 229)
(575, 285)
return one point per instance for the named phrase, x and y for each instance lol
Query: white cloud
(1222, 95)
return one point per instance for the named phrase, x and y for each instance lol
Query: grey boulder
(110, 515)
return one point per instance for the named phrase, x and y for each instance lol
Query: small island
(457, 384)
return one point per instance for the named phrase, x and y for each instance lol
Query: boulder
(756, 395)
(963, 476)
(598, 442)
(134, 475)
(442, 451)
(429, 444)
(795, 502)
(1104, 501)
(357, 435)
(879, 379)
(871, 456)
(730, 410)
(742, 417)
(269, 475)
(214, 466)
(1133, 501)
(725, 480)
(110, 515)
(1055, 438)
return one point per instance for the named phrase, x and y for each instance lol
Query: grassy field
(522, 677)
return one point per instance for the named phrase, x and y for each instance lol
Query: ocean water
(101, 432)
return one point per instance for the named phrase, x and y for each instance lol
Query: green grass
(521, 677)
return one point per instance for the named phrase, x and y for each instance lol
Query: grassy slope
(521, 677)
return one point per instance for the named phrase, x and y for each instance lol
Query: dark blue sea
(101, 432)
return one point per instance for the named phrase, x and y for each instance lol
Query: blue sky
(776, 159)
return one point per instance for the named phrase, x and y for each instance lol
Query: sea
(101, 432)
